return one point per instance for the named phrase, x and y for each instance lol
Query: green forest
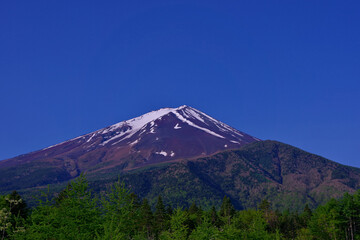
(116, 213)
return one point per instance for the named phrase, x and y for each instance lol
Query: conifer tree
(161, 217)
(227, 210)
(193, 209)
(147, 218)
(135, 200)
(215, 221)
(306, 216)
(179, 228)
(193, 217)
(63, 194)
(120, 217)
(264, 206)
(169, 211)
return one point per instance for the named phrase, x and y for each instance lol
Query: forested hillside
(285, 175)
(78, 213)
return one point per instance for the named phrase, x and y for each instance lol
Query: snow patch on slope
(162, 153)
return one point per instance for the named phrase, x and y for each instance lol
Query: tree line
(78, 213)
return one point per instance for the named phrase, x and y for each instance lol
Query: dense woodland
(78, 213)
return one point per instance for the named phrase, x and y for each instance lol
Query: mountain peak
(183, 115)
(173, 123)
(166, 134)
(138, 122)
(183, 106)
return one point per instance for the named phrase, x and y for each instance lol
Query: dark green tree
(305, 216)
(215, 220)
(63, 194)
(193, 209)
(264, 206)
(227, 210)
(160, 216)
(194, 216)
(147, 218)
(169, 211)
(135, 200)
(289, 224)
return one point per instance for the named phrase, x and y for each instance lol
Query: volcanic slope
(285, 175)
(165, 135)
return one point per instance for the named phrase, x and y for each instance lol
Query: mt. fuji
(165, 135)
(184, 155)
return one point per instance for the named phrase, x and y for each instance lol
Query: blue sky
(281, 70)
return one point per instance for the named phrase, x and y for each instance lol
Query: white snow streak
(194, 114)
(196, 126)
(116, 137)
(134, 142)
(91, 137)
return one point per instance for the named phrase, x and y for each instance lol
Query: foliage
(13, 211)
(337, 219)
(74, 216)
(287, 177)
(77, 213)
(120, 213)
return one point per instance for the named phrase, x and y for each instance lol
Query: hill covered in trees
(78, 213)
(287, 176)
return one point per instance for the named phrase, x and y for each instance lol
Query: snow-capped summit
(184, 115)
(163, 135)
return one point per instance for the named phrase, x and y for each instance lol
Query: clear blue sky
(281, 70)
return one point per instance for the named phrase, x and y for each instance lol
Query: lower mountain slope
(286, 176)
